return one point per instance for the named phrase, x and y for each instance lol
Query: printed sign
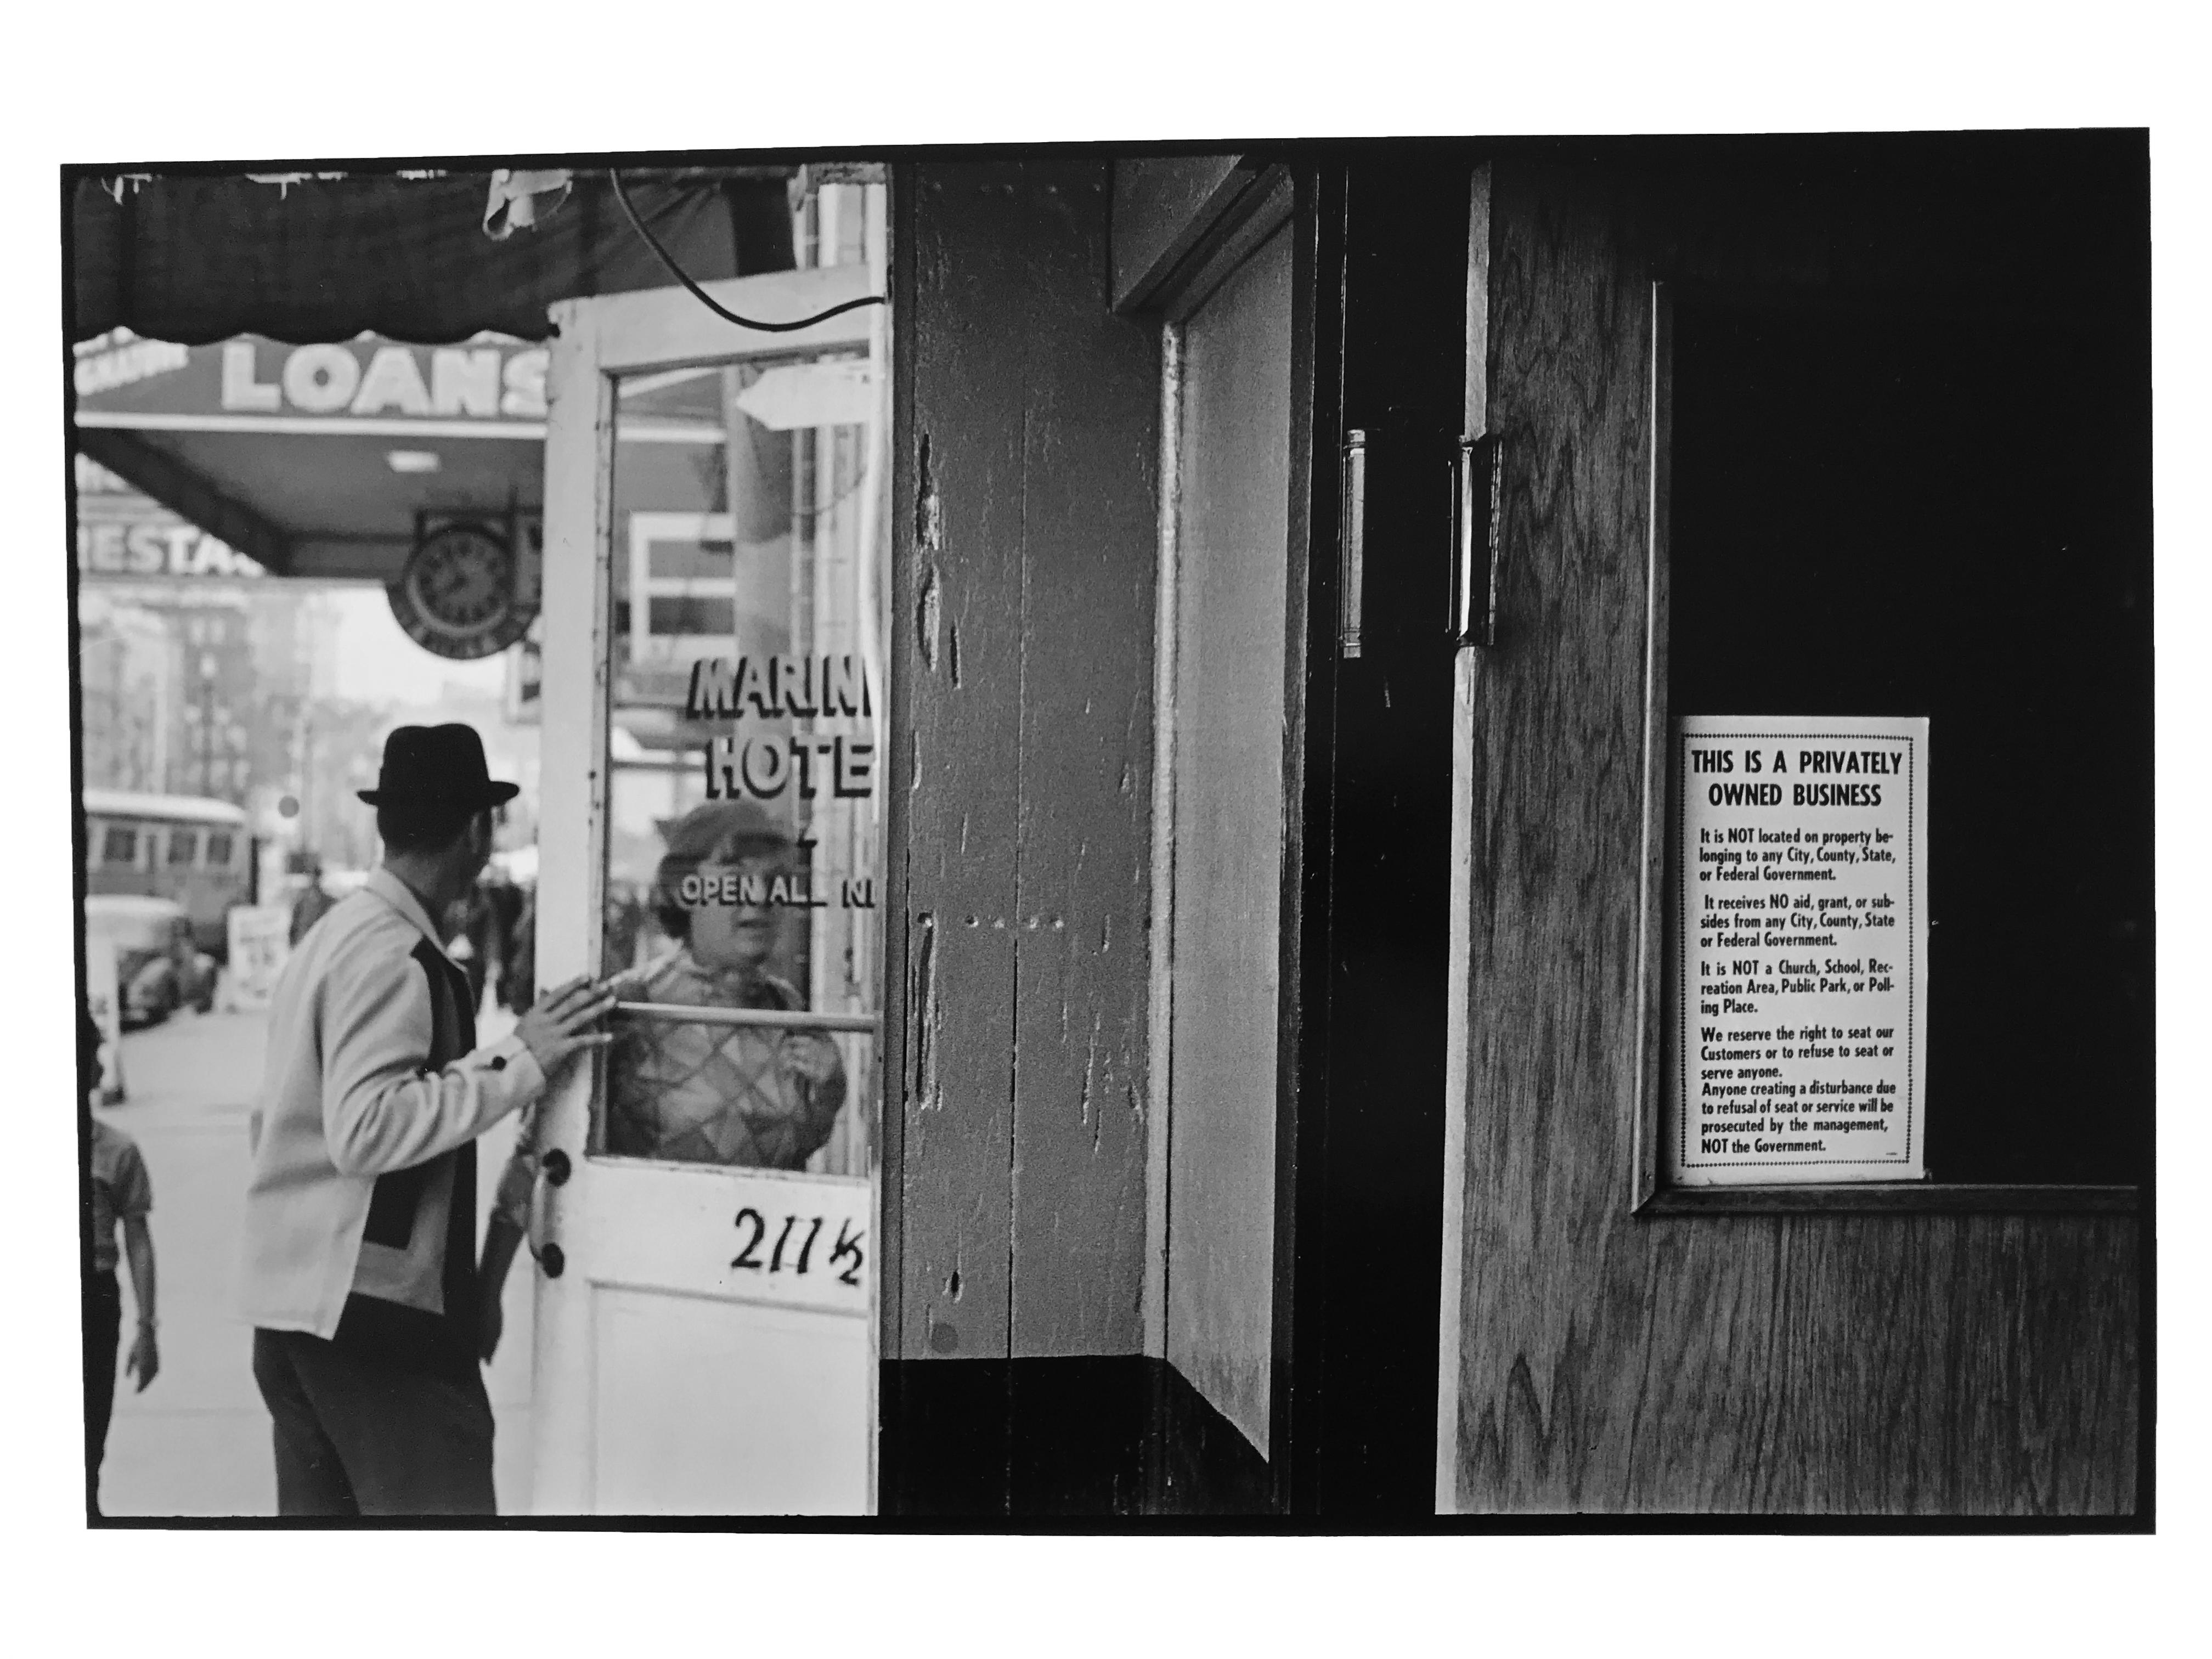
(103, 996)
(260, 939)
(1801, 949)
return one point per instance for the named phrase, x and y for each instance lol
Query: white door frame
(598, 339)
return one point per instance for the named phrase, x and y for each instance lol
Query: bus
(177, 847)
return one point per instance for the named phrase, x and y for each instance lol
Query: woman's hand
(811, 1055)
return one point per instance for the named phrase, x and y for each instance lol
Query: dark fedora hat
(437, 766)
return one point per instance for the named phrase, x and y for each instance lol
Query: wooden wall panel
(1888, 1364)
(1084, 861)
(1022, 600)
(957, 636)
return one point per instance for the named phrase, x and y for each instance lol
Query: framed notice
(1800, 951)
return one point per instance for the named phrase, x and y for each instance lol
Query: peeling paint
(926, 607)
(927, 1026)
(929, 541)
(928, 510)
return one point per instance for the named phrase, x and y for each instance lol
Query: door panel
(706, 1328)
(1228, 852)
(1608, 1359)
(746, 1399)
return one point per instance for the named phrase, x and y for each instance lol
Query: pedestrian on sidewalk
(312, 904)
(360, 1272)
(121, 1196)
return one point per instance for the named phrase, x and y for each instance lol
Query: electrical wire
(707, 299)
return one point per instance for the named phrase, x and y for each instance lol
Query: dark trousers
(356, 1434)
(103, 1336)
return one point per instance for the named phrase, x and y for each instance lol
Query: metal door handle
(553, 1170)
(1351, 541)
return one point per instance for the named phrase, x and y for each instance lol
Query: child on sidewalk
(120, 1194)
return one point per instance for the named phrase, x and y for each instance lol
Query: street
(196, 1442)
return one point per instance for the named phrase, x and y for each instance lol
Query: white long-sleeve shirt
(347, 1096)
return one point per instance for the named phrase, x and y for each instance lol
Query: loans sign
(489, 386)
(1802, 950)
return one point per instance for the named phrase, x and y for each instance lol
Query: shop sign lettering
(365, 379)
(157, 548)
(765, 766)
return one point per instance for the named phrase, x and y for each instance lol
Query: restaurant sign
(121, 532)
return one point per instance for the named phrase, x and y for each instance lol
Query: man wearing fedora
(359, 1270)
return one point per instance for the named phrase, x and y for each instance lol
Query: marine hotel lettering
(485, 382)
(809, 762)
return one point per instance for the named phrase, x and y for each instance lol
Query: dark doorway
(1392, 272)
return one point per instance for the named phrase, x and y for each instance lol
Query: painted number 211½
(782, 1259)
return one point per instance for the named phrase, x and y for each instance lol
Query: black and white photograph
(1443, 831)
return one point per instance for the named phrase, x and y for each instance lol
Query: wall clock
(459, 596)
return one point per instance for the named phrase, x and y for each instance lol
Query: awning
(316, 460)
(303, 365)
(308, 257)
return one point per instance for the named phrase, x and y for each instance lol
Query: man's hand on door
(553, 1030)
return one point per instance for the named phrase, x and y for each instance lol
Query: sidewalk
(196, 1442)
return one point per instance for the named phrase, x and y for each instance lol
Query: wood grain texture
(1890, 1365)
(1023, 601)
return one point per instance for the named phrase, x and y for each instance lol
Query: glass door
(705, 1223)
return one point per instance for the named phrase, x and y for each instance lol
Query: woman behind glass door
(696, 1093)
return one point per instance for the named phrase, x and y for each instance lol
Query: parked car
(158, 968)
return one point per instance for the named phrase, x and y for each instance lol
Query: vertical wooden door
(1840, 475)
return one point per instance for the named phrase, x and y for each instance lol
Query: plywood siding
(1875, 1364)
(1023, 606)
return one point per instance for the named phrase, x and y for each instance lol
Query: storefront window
(745, 695)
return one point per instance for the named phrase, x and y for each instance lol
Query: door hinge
(1477, 476)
